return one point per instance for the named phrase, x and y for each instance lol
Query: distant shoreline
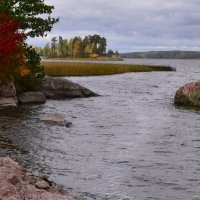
(163, 55)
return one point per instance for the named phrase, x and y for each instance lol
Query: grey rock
(40, 184)
(32, 98)
(8, 102)
(58, 88)
(188, 95)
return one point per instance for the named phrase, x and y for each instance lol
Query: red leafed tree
(11, 50)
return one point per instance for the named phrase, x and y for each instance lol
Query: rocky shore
(17, 184)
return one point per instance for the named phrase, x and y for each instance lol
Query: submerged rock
(32, 98)
(188, 95)
(17, 184)
(58, 88)
(55, 119)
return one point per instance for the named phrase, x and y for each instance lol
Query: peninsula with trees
(91, 46)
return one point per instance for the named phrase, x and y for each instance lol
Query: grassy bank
(88, 59)
(95, 69)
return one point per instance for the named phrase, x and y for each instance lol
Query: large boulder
(32, 98)
(188, 95)
(7, 94)
(58, 88)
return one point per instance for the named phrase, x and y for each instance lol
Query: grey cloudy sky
(130, 25)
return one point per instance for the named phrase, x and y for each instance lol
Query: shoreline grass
(96, 69)
(87, 59)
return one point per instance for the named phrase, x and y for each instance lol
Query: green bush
(33, 79)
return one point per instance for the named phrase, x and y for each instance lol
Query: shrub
(29, 77)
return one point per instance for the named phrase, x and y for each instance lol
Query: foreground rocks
(188, 95)
(58, 88)
(52, 88)
(16, 184)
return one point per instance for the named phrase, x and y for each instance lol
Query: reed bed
(95, 69)
(87, 59)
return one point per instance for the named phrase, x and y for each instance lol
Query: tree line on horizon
(163, 55)
(90, 46)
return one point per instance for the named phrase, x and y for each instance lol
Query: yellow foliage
(24, 71)
(94, 55)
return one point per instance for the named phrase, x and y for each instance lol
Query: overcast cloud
(130, 25)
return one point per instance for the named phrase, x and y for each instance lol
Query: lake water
(131, 143)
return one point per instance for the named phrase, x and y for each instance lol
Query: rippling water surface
(130, 143)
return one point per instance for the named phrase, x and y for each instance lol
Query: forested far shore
(163, 55)
(91, 46)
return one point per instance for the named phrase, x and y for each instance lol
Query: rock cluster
(52, 88)
(16, 184)
(188, 95)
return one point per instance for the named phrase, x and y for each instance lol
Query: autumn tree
(62, 47)
(34, 20)
(11, 48)
(70, 47)
(77, 47)
(47, 50)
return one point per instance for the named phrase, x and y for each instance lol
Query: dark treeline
(90, 46)
(163, 55)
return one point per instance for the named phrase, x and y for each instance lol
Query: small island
(90, 47)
